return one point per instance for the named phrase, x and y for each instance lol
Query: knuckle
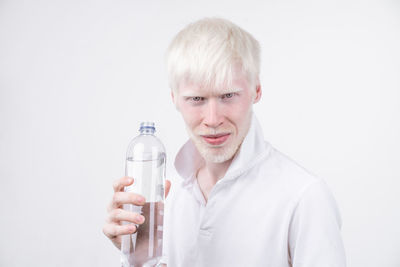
(111, 216)
(110, 206)
(107, 231)
(114, 231)
(115, 184)
(116, 214)
(116, 198)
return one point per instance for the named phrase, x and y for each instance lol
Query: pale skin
(113, 227)
(205, 111)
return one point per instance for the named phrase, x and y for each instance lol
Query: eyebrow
(228, 91)
(222, 92)
(190, 93)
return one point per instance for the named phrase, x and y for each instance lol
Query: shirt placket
(208, 209)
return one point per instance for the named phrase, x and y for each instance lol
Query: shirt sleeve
(314, 233)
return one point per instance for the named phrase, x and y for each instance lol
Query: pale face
(217, 120)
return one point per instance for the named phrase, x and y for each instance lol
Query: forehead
(238, 83)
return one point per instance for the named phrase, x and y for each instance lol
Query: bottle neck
(146, 131)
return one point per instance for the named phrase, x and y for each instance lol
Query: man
(241, 202)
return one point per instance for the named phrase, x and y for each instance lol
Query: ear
(258, 93)
(172, 96)
(174, 100)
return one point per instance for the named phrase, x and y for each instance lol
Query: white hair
(207, 52)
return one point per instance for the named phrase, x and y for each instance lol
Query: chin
(211, 155)
(218, 158)
(216, 154)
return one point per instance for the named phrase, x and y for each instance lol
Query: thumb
(167, 187)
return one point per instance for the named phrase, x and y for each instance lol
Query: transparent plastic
(145, 162)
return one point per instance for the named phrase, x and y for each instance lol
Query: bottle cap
(147, 126)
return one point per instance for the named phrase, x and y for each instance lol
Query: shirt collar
(252, 150)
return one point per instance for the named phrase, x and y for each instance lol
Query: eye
(197, 98)
(228, 95)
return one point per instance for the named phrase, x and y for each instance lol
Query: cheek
(241, 108)
(191, 115)
(240, 114)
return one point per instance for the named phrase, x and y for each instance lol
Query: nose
(212, 117)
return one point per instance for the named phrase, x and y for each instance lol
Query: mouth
(216, 139)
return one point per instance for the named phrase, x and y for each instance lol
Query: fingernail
(141, 218)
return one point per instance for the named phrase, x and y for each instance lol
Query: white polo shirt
(266, 211)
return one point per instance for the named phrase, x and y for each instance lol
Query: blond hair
(207, 51)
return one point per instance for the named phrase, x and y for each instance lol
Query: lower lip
(216, 141)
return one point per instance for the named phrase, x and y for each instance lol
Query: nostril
(213, 125)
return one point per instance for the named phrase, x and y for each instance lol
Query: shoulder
(280, 169)
(317, 200)
(295, 181)
(311, 194)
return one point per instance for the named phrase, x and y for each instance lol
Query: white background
(77, 77)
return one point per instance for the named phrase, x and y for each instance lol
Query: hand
(113, 227)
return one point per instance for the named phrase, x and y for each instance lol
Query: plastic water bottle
(145, 162)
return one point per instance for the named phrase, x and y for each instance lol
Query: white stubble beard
(226, 152)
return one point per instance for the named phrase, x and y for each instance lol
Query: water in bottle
(145, 162)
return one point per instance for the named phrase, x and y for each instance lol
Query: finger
(118, 215)
(167, 187)
(112, 230)
(121, 198)
(120, 183)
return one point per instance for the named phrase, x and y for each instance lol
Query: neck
(213, 172)
(209, 174)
